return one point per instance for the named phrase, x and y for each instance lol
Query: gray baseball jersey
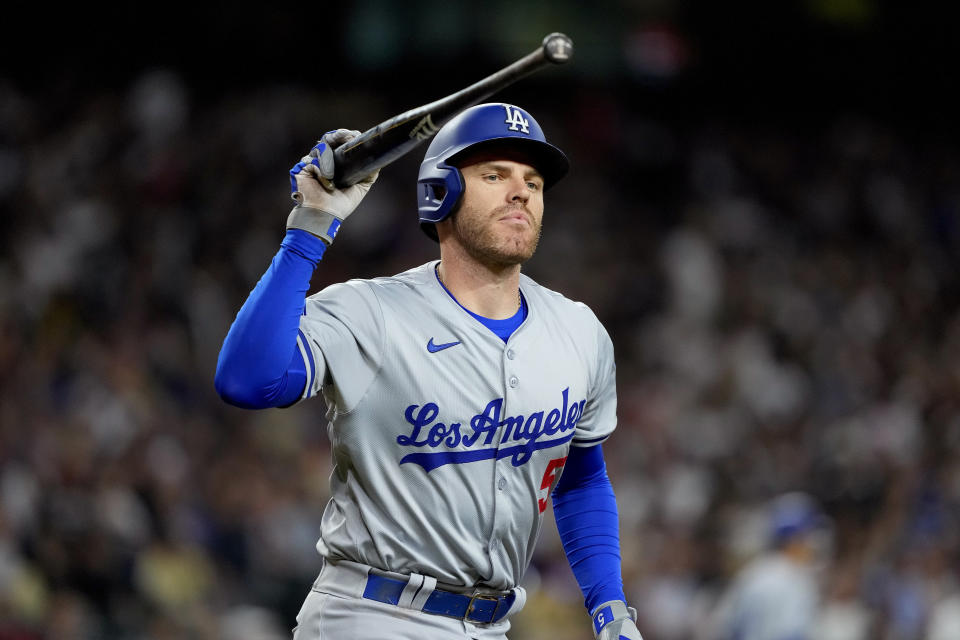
(773, 598)
(446, 440)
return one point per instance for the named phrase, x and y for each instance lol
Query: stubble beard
(478, 236)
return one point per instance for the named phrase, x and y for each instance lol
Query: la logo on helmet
(516, 120)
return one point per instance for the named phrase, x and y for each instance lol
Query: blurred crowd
(782, 297)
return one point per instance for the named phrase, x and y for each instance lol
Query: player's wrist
(605, 613)
(613, 620)
(320, 223)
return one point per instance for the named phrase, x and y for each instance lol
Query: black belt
(476, 608)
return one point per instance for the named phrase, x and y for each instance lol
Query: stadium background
(764, 209)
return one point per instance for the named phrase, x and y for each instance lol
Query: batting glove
(321, 207)
(614, 620)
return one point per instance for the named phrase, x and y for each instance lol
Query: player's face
(499, 218)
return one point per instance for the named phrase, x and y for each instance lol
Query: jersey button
(501, 483)
(514, 381)
(510, 354)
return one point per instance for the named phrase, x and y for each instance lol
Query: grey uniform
(446, 440)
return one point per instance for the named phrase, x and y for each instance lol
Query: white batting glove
(614, 620)
(321, 207)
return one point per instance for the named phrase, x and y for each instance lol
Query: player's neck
(487, 291)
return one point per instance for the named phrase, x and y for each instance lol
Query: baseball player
(776, 595)
(461, 395)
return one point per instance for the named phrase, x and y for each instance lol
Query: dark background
(894, 60)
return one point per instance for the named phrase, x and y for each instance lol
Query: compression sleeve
(260, 365)
(586, 512)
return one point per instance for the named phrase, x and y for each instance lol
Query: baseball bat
(380, 145)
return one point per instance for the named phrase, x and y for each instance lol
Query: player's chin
(503, 245)
(518, 249)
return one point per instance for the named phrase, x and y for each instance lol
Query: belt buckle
(480, 596)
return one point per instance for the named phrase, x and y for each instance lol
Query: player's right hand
(321, 207)
(614, 620)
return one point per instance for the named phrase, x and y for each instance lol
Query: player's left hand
(614, 620)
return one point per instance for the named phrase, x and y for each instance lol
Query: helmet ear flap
(439, 193)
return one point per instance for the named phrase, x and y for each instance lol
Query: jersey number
(549, 478)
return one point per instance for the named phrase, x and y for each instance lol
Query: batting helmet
(794, 514)
(440, 183)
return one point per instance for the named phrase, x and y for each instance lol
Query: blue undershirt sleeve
(585, 509)
(260, 365)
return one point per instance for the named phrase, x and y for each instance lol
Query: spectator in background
(775, 596)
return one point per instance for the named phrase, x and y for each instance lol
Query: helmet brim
(548, 160)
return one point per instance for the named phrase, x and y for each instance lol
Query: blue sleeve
(260, 365)
(586, 512)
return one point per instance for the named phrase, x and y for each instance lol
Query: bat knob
(557, 48)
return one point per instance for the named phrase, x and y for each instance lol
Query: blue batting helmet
(495, 125)
(794, 514)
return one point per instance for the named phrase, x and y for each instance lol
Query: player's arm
(585, 509)
(261, 364)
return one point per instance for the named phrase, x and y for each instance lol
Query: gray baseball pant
(335, 609)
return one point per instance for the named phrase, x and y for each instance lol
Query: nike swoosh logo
(433, 348)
